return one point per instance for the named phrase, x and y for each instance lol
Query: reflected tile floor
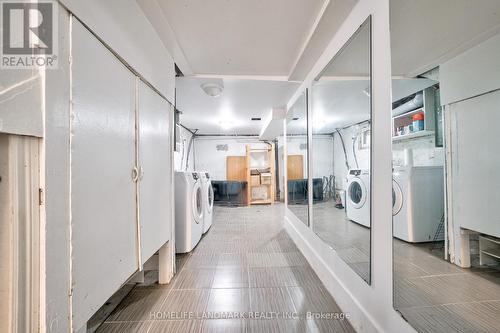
(351, 240)
(436, 296)
(246, 265)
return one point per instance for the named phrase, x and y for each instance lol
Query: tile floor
(245, 264)
(436, 296)
(351, 240)
(433, 295)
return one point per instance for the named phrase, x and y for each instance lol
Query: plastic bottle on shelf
(418, 122)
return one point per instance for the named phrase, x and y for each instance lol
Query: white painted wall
(209, 159)
(181, 156)
(425, 152)
(362, 156)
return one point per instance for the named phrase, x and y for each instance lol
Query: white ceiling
(297, 117)
(240, 101)
(281, 39)
(249, 37)
(425, 33)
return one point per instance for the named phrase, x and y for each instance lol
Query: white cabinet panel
(471, 73)
(475, 163)
(155, 160)
(21, 110)
(102, 192)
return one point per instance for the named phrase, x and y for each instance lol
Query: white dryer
(417, 202)
(358, 196)
(188, 211)
(208, 200)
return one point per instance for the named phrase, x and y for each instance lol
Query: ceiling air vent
(256, 119)
(222, 147)
(295, 119)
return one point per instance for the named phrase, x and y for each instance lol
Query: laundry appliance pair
(194, 200)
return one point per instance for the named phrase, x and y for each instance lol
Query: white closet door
(155, 160)
(475, 163)
(103, 207)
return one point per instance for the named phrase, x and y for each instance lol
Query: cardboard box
(255, 180)
(265, 178)
(259, 193)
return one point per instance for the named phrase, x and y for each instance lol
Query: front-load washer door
(357, 193)
(197, 202)
(210, 197)
(397, 198)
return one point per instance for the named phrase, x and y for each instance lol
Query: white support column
(166, 263)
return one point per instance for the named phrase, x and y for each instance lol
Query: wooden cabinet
(295, 167)
(261, 176)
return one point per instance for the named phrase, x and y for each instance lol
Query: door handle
(135, 174)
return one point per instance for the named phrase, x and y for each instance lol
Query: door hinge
(41, 198)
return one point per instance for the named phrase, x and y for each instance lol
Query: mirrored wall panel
(446, 157)
(341, 122)
(297, 159)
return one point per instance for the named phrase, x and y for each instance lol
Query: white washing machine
(358, 196)
(188, 211)
(417, 202)
(208, 200)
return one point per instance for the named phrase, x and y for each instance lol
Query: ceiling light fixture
(212, 89)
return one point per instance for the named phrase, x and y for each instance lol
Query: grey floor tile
(180, 301)
(232, 260)
(246, 262)
(200, 260)
(224, 326)
(176, 326)
(139, 304)
(267, 260)
(228, 300)
(191, 278)
(270, 300)
(299, 326)
(230, 277)
(282, 276)
(132, 327)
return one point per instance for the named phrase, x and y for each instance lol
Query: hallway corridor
(246, 270)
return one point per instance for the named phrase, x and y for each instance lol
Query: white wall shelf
(413, 135)
(428, 110)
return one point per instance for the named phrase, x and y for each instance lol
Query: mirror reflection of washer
(418, 203)
(208, 200)
(358, 196)
(188, 211)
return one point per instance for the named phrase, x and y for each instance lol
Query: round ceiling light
(212, 89)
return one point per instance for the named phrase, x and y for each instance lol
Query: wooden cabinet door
(236, 168)
(295, 167)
